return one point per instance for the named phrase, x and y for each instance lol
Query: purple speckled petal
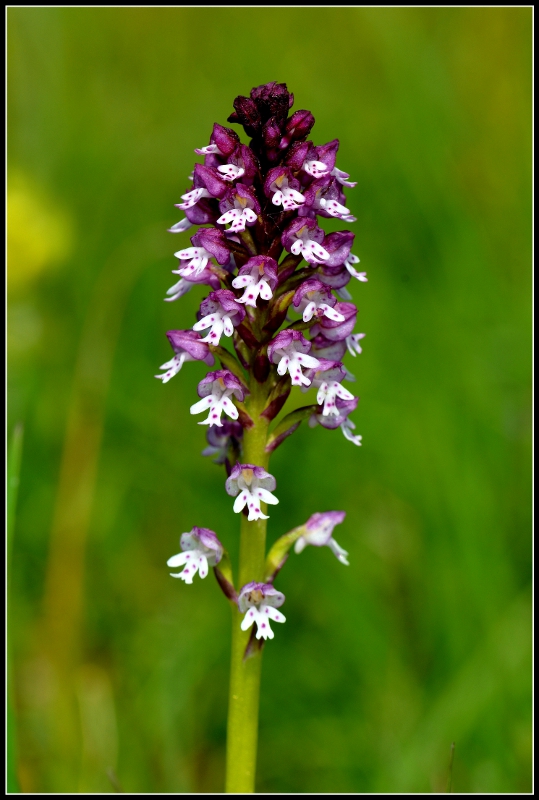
(209, 539)
(324, 348)
(210, 179)
(327, 370)
(189, 342)
(214, 241)
(327, 153)
(338, 245)
(225, 138)
(255, 593)
(336, 331)
(299, 153)
(226, 300)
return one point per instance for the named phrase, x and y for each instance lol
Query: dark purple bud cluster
(269, 266)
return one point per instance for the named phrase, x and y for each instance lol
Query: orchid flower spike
(259, 603)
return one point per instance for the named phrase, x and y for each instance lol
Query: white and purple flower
(327, 379)
(304, 236)
(318, 531)
(220, 312)
(312, 299)
(208, 243)
(259, 602)
(283, 189)
(251, 485)
(201, 549)
(289, 351)
(239, 208)
(216, 390)
(188, 346)
(258, 277)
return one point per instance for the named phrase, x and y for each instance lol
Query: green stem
(242, 731)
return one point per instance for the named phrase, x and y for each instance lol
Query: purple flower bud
(327, 153)
(252, 485)
(333, 330)
(210, 179)
(298, 154)
(200, 548)
(259, 602)
(272, 100)
(297, 127)
(247, 114)
(214, 241)
(224, 442)
(226, 139)
(323, 348)
(271, 135)
(319, 532)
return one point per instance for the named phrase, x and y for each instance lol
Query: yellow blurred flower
(40, 234)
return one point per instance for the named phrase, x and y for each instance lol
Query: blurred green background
(119, 672)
